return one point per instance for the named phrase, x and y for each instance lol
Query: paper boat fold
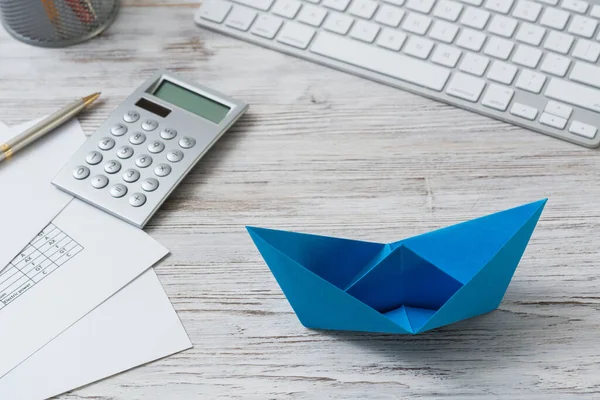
(407, 287)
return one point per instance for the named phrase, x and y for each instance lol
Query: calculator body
(148, 144)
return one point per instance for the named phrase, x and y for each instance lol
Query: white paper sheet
(135, 326)
(113, 254)
(29, 201)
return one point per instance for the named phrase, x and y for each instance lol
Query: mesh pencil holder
(57, 23)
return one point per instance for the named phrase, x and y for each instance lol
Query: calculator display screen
(192, 102)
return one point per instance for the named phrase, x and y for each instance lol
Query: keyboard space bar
(379, 60)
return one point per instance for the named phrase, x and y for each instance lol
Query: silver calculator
(131, 164)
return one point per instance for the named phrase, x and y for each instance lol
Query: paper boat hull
(405, 287)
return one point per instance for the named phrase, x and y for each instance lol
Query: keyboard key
(131, 175)
(262, 5)
(339, 5)
(418, 47)
(586, 73)
(587, 50)
(423, 6)
(523, 111)
(338, 23)
(527, 56)
(501, 6)
(448, 10)
(581, 129)
(391, 39)
(502, 72)
(527, 10)
(558, 42)
(530, 81)
(296, 35)
(555, 64)
(241, 18)
(395, 2)
(396, 65)
(443, 31)
(266, 25)
(530, 34)
(286, 8)
(475, 18)
(474, 64)
(214, 10)
(446, 55)
(312, 15)
(553, 121)
(499, 48)
(389, 15)
(470, 39)
(497, 97)
(573, 93)
(555, 18)
(558, 109)
(595, 12)
(416, 23)
(365, 31)
(582, 26)
(465, 87)
(363, 8)
(575, 5)
(503, 26)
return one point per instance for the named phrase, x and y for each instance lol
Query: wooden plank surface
(328, 153)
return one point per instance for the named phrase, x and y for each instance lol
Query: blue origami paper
(405, 287)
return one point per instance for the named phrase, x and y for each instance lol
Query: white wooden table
(328, 153)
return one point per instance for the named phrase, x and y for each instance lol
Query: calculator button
(150, 185)
(156, 146)
(168, 133)
(162, 170)
(149, 125)
(106, 143)
(99, 181)
(125, 152)
(175, 155)
(118, 191)
(131, 116)
(186, 142)
(93, 157)
(118, 130)
(143, 161)
(137, 199)
(112, 167)
(131, 175)
(81, 172)
(137, 138)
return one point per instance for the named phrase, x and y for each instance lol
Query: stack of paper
(79, 300)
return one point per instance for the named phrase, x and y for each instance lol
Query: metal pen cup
(56, 23)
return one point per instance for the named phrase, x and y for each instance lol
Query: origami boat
(405, 287)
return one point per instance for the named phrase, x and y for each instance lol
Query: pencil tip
(88, 100)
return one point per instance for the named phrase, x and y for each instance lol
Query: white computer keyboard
(530, 63)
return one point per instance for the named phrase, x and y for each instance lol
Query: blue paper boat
(408, 287)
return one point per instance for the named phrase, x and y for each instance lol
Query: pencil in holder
(57, 23)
